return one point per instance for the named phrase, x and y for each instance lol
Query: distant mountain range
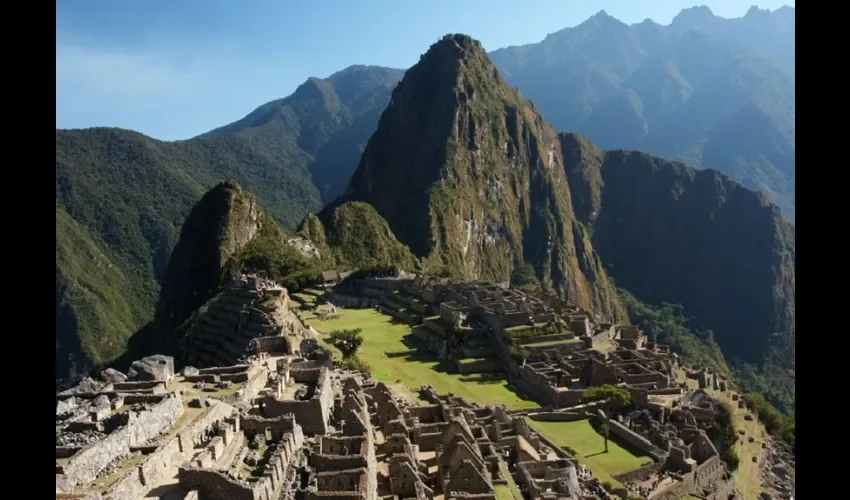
(704, 89)
(717, 93)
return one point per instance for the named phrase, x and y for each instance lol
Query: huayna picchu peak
(470, 177)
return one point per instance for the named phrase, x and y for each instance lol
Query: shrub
(603, 392)
(347, 341)
(519, 353)
(354, 363)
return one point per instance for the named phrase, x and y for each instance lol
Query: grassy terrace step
(469, 361)
(547, 343)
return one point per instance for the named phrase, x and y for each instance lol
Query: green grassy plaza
(382, 334)
(589, 447)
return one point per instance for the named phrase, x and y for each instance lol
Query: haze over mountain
(717, 93)
(471, 177)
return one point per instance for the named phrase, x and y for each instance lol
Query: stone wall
(213, 485)
(252, 424)
(639, 474)
(636, 440)
(479, 366)
(150, 423)
(706, 476)
(558, 416)
(272, 344)
(313, 415)
(142, 426)
(175, 451)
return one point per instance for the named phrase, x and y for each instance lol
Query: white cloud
(111, 74)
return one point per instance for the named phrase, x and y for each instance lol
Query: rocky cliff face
(671, 233)
(470, 177)
(223, 222)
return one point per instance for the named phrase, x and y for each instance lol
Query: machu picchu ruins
(258, 407)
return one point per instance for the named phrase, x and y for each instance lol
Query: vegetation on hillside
(131, 193)
(782, 426)
(667, 324)
(270, 253)
(721, 431)
(355, 236)
(95, 310)
(774, 380)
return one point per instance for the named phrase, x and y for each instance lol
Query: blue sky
(173, 69)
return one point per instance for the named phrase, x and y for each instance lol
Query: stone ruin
(250, 317)
(289, 425)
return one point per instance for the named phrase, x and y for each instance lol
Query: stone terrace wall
(174, 451)
(147, 425)
(558, 416)
(84, 466)
(636, 440)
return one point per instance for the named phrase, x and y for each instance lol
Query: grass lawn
(503, 492)
(382, 335)
(508, 491)
(553, 342)
(590, 448)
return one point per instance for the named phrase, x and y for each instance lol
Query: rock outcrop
(224, 221)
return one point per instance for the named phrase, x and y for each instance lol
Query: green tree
(604, 392)
(347, 341)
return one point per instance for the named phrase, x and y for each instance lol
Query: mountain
(354, 236)
(717, 93)
(329, 120)
(469, 176)
(669, 233)
(772, 33)
(122, 197)
(220, 225)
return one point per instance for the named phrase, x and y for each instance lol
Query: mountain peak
(756, 11)
(454, 47)
(693, 15)
(458, 167)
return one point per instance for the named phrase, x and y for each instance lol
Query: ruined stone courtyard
(258, 409)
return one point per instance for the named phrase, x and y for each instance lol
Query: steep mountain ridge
(469, 176)
(223, 222)
(670, 233)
